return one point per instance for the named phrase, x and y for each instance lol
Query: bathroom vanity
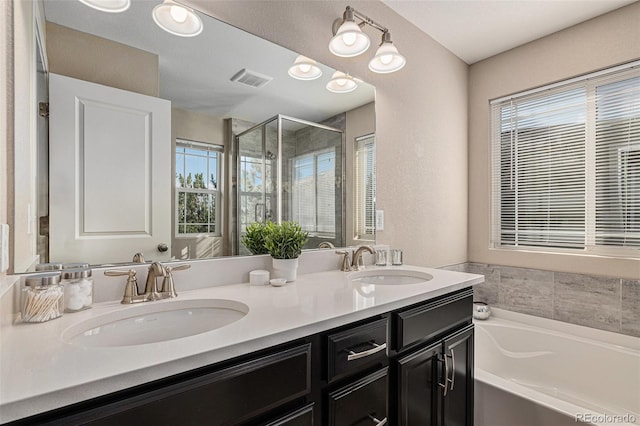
(329, 349)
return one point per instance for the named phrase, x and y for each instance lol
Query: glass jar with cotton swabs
(42, 297)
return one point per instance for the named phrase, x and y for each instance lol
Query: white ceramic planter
(285, 268)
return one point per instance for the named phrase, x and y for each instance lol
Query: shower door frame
(236, 148)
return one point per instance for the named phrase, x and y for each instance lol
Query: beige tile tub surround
(602, 42)
(605, 303)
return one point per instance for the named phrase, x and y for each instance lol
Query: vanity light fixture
(305, 69)
(387, 59)
(111, 6)
(341, 83)
(348, 40)
(177, 19)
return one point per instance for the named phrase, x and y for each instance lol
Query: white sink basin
(153, 322)
(390, 277)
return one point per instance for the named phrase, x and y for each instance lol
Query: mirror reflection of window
(251, 205)
(198, 196)
(313, 195)
(365, 188)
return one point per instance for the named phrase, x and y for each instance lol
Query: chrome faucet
(156, 270)
(357, 257)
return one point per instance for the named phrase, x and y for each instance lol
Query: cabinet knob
(162, 247)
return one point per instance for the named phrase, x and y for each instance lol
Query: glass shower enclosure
(290, 169)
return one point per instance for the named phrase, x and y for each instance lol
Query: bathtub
(533, 371)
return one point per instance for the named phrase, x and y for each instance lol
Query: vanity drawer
(362, 402)
(432, 319)
(357, 348)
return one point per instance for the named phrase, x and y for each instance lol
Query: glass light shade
(111, 6)
(305, 69)
(387, 59)
(341, 83)
(349, 40)
(177, 19)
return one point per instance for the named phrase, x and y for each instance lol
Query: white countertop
(40, 372)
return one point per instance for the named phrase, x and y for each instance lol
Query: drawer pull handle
(357, 355)
(378, 422)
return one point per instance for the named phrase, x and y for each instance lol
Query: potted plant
(284, 241)
(254, 238)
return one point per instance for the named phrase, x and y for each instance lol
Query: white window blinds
(365, 188)
(566, 164)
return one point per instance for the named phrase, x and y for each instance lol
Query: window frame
(218, 149)
(589, 82)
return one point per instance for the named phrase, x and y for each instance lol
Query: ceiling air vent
(251, 78)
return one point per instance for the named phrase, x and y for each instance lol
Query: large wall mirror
(170, 146)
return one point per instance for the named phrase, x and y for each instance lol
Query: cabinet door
(418, 394)
(361, 403)
(458, 402)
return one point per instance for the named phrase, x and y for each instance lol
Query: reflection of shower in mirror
(293, 169)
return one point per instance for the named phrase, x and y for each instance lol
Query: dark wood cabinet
(432, 377)
(458, 403)
(435, 383)
(418, 396)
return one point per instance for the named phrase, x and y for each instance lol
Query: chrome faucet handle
(131, 291)
(346, 260)
(168, 289)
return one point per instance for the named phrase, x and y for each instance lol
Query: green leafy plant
(285, 240)
(255, 238)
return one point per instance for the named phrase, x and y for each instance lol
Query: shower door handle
(255, 213)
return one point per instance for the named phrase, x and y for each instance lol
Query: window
(313, 195)
(566, 165)
(197, 188)
(365, 188)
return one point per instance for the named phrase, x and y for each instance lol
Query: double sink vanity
(332, 348)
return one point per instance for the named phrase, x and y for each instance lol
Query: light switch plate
(4, 247)
(379, 220)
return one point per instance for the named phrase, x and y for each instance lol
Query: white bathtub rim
(565, 329)
(547, 401)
